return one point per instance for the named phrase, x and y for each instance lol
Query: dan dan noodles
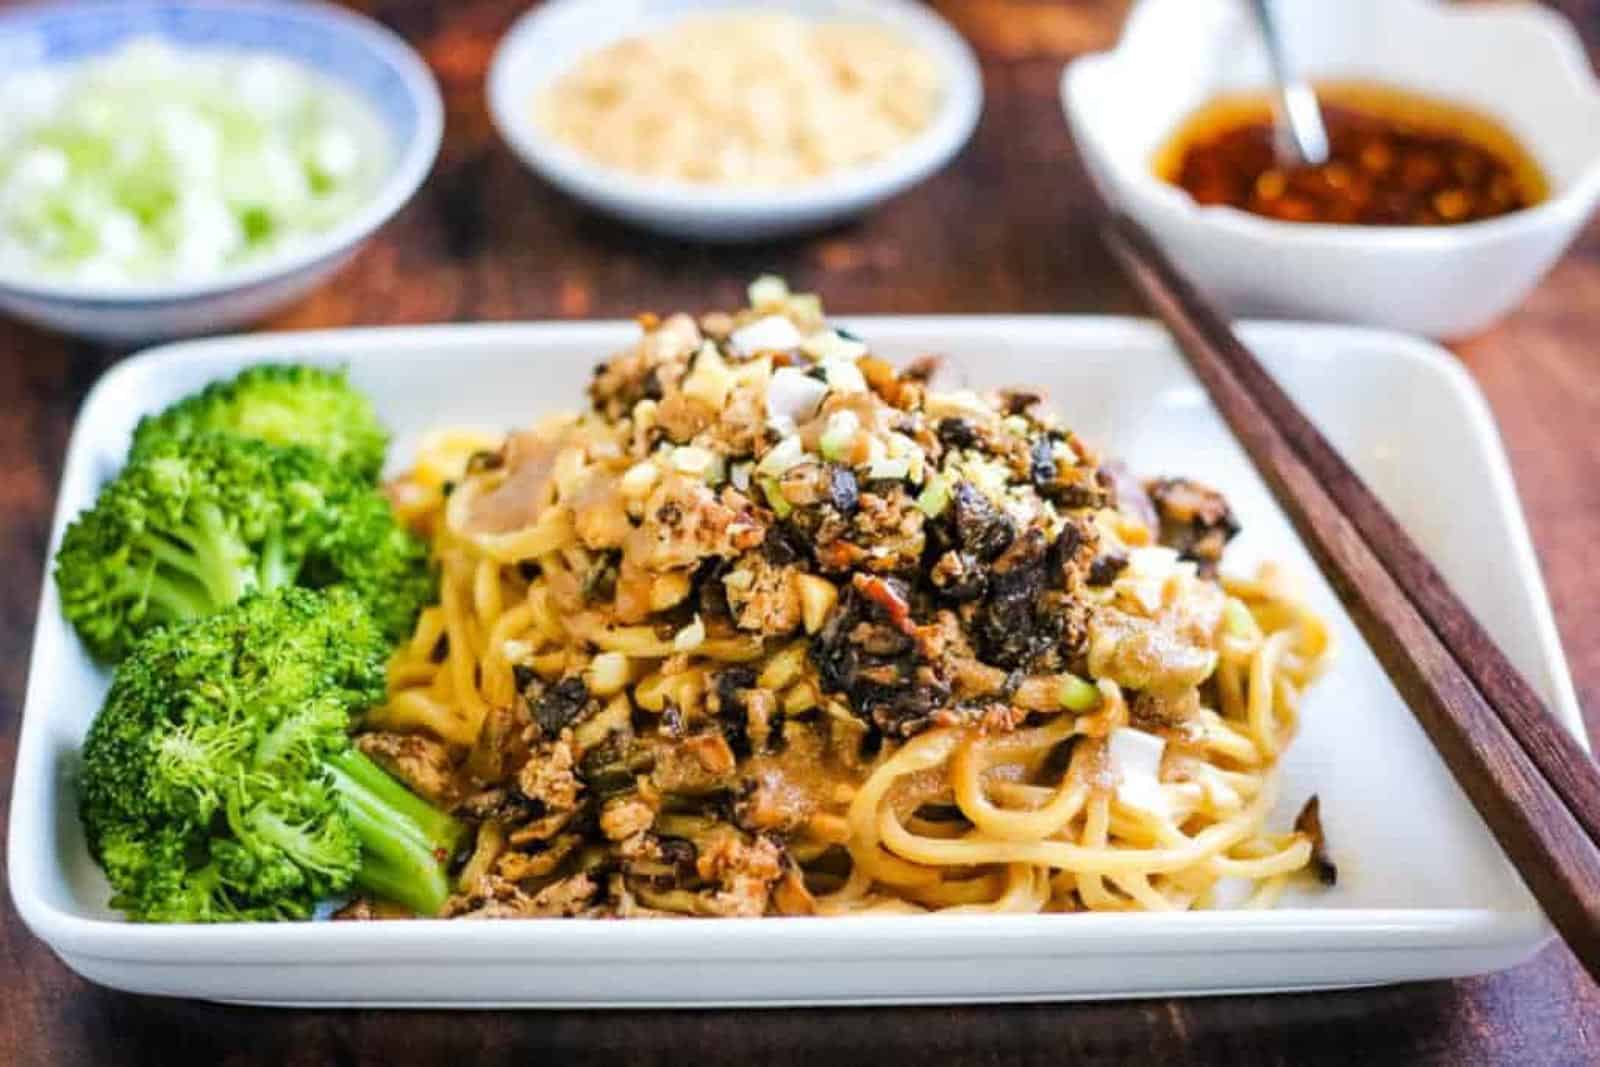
(773, 627)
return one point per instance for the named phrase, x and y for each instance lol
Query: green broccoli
(219, 782)
(193, 524)
(281, 404)
(368, 550)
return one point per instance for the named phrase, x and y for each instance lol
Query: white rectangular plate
(1423, 891)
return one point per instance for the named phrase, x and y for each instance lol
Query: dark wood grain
(1003, 230)
(1570, 771)
(1384, 581)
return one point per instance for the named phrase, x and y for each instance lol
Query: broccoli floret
(219, 781)
(281, 404)
(193, 524)
(368, 550)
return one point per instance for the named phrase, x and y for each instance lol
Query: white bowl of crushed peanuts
(726, 121)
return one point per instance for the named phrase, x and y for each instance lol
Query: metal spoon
(1301, 136)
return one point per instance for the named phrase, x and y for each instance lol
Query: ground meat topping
(1309, 822)
(773, 560)
(425, 765)
(744, 872)
(494, 897)
(1141, 653)
(763, 598)
(547, 779)
(685, 521)
(622, 817)
(1194, 519)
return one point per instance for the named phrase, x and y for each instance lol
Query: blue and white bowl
(357, 53)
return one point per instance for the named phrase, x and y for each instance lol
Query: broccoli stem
(407, 842)
(275, 569)
(176, 597)
(302, 845)
(209, 553)
(424, 892)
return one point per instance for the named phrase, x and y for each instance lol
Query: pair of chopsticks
(1532, 783)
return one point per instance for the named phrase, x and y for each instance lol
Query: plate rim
(987, 936)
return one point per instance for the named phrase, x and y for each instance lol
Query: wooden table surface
(1000, 231)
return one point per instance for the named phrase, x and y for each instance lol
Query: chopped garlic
(1149, 570)
(830, 344)
(1135, 758)
(804, 309)
(892, 469)
(792, 395)
(957, 404)
(608, 674)
(839, 434)
(710, 380)
(843, 375)
(692, 459)
(902, 447)
(756, 372)
(644, 414)
(690, 637)
(817, 597)
(771, 334)
(639, 479)
(767, 291)
(787, 453)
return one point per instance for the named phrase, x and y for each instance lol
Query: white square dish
(1423, 891)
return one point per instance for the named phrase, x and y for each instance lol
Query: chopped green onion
(157, 163)
(935, 496)
(1238, 620)
(1078, 695)
(775, 497)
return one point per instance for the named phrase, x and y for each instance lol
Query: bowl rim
(951, 128)
(412, 161)
(1567, 207)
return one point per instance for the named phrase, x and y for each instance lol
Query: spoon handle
(1300, 128)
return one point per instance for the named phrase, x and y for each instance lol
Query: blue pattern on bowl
(313, 35)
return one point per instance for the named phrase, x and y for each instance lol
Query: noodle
(612, 671)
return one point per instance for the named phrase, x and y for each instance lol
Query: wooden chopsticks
(1532, 783)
